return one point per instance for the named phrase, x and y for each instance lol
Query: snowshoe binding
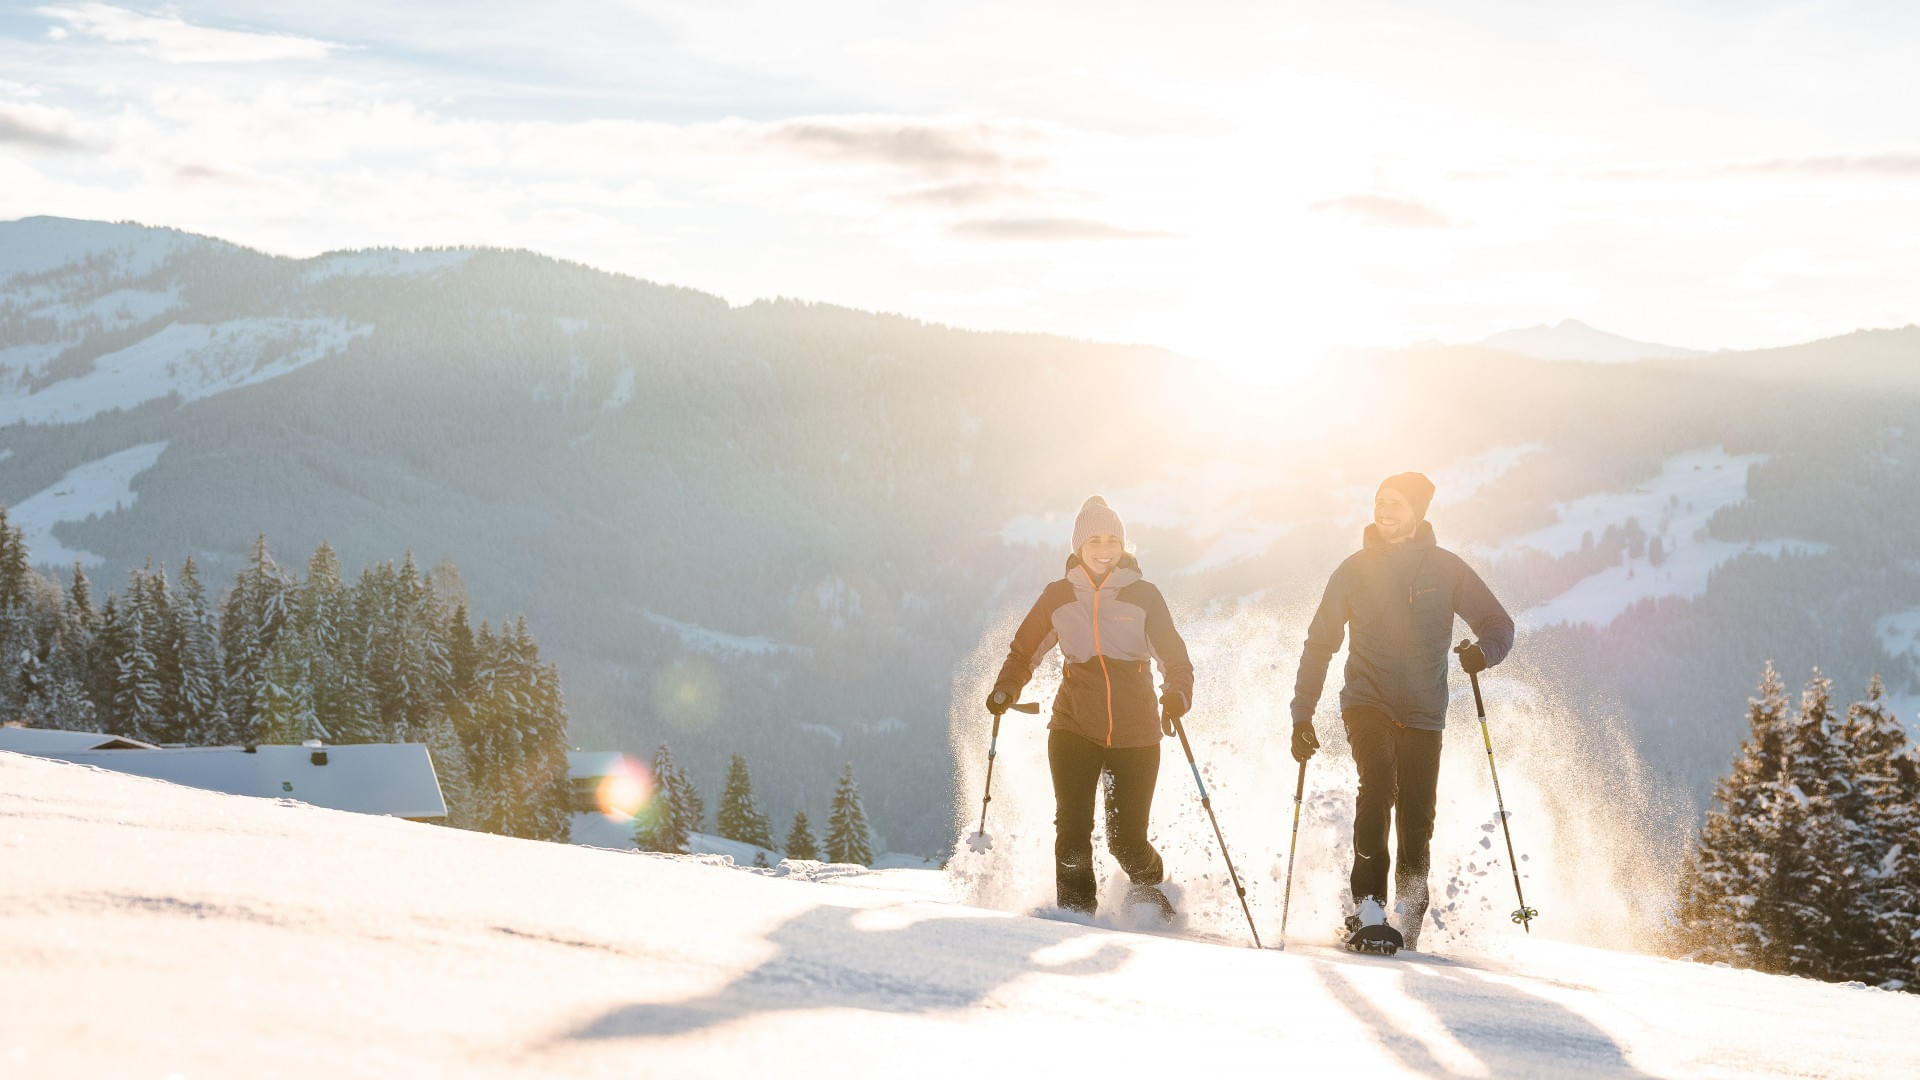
(1368, 932)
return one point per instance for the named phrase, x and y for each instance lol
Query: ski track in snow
(190, 359)
(98, 487)
(155, 930)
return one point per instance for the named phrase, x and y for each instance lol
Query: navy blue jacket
(1399, 601)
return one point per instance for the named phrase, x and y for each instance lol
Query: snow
(825, 732)
(1673, 507)
(192, 360)
(702, 639)
(622, 391)
(39, 244)
(1690, 487)
(27, 360)
(382, 263)
(140, 917)
(99, 487)
(1899, 633)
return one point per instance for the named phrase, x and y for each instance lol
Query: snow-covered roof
(372, 778)
(26, 740)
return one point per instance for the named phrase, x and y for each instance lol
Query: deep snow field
(153, 930)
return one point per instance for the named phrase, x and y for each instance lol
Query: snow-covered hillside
(148, 929)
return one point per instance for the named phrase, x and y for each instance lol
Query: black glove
(1472, 660)
(1173, 706)
(1305, 742)
(998, 702)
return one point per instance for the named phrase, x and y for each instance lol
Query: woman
(1109, 622)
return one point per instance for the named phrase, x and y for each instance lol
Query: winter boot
(1410, 912)
(1367, 929)
(1153, 900)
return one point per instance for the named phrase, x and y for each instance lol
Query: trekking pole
(1205, 801)
(1525, 915)
(979, 841)
(1286, 897)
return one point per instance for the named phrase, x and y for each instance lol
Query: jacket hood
(1422, 537)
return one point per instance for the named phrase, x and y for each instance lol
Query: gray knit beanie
(1096, 519)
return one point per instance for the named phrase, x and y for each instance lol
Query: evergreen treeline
(676, 809)
(1810, 862)
(389, 658)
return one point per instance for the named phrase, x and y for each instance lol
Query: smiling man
(1399, 594)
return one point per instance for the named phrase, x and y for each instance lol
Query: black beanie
(1417, 489)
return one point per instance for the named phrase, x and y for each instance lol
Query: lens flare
(624, 790)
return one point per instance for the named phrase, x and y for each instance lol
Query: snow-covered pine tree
(848, 839)
(1725, 910)
(660, 825)
(16, 567)
(159, 626)
(1880, 944)
(800, 842)
(450, 767)
(197, 642)
(136, 688)
(542, 809)
(283, 707)
(693, 807)
(103, 663)
(319, 617)
(255, 610)
(1817, 880)
(738, 818)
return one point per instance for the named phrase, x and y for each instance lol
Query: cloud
(174, 40)
(1381, 210)
(18, 129)
(915, 146)
(1893, 164)
(1050, 229)
(961, 196)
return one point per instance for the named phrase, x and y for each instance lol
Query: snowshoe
(1381, 940)
(1368, 932)
(1153, 901)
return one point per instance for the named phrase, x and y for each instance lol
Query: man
(1399, 594)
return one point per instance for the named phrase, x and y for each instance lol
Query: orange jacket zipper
(1096, 651)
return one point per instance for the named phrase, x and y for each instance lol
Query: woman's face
(1101, 553)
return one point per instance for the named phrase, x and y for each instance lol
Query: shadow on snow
(826, 962)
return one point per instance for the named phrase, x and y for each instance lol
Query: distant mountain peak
(1572, 341)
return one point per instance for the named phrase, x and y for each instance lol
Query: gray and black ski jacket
(1399, 601)
(1107, 634)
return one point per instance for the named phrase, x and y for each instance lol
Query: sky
(1250, 183)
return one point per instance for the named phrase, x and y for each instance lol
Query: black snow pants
(1078, 764)
(1399, 772)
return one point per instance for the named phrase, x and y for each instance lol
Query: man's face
(1393, 515)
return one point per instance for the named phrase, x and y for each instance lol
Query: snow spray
(1598, 845)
